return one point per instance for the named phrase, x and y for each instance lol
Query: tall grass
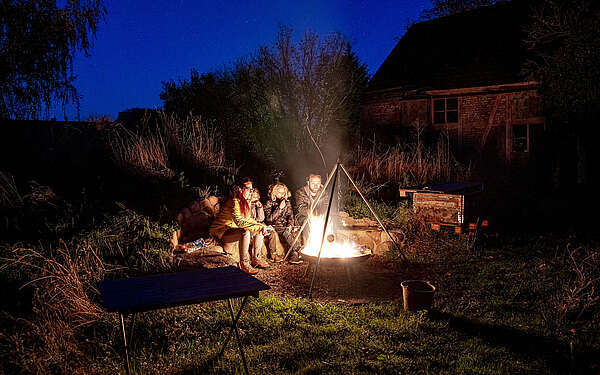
(145, 155)
(64, 281)
(51, 339)
(9, 194)
(194, 142)
(411, 164)
(579, 297)
(65, 327)
(169, 145)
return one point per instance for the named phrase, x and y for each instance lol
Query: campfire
(334, 246)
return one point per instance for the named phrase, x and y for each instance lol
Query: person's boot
(248, 269)
(260, 263)
(295, 258)
(245, 264)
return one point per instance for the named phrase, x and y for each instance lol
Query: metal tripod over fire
(333, 175)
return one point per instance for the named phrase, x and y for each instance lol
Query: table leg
(125, 343)
(131, 326)
(234, 320)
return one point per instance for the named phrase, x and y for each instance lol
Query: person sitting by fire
(257, 211)
(279, 214)
(234, 224)
(306, 198)
(256, 208)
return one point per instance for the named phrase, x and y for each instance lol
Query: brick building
(461, 75)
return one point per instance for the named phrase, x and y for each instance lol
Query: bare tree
(315, 85)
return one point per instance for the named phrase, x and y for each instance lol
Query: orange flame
(332, 247)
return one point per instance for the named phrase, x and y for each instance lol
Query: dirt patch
(370, 281)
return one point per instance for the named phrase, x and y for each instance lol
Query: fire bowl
(364, 255)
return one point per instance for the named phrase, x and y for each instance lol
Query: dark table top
(464, 188)
(153, 292)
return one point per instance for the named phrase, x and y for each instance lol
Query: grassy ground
(504, 305)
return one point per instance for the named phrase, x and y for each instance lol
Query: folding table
(146, 293)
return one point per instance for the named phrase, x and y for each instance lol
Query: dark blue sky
(142, 43)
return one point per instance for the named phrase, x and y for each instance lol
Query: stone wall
(373, 238)
(366, 232)
(483, 126)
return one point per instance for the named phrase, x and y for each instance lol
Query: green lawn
(506, 305)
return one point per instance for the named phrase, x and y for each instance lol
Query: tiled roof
(477, 48)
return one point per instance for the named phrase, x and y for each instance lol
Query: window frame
(445, 110)
(513, 138)
(527, 123)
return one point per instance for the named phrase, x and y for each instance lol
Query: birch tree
(38, 40)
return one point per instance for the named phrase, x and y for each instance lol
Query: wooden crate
(447, 205)
(439, 208)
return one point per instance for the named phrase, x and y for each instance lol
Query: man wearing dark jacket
(306, 197)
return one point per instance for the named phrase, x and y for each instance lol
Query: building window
(445, 111)
(519, 138)
(523, 137)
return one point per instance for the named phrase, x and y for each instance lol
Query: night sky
(142, 43)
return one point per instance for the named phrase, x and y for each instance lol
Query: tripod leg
(373, 212)
(335, 175)
(308, 266)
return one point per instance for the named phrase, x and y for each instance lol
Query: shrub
(131, 240)
(39, 213)
(390, 214)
